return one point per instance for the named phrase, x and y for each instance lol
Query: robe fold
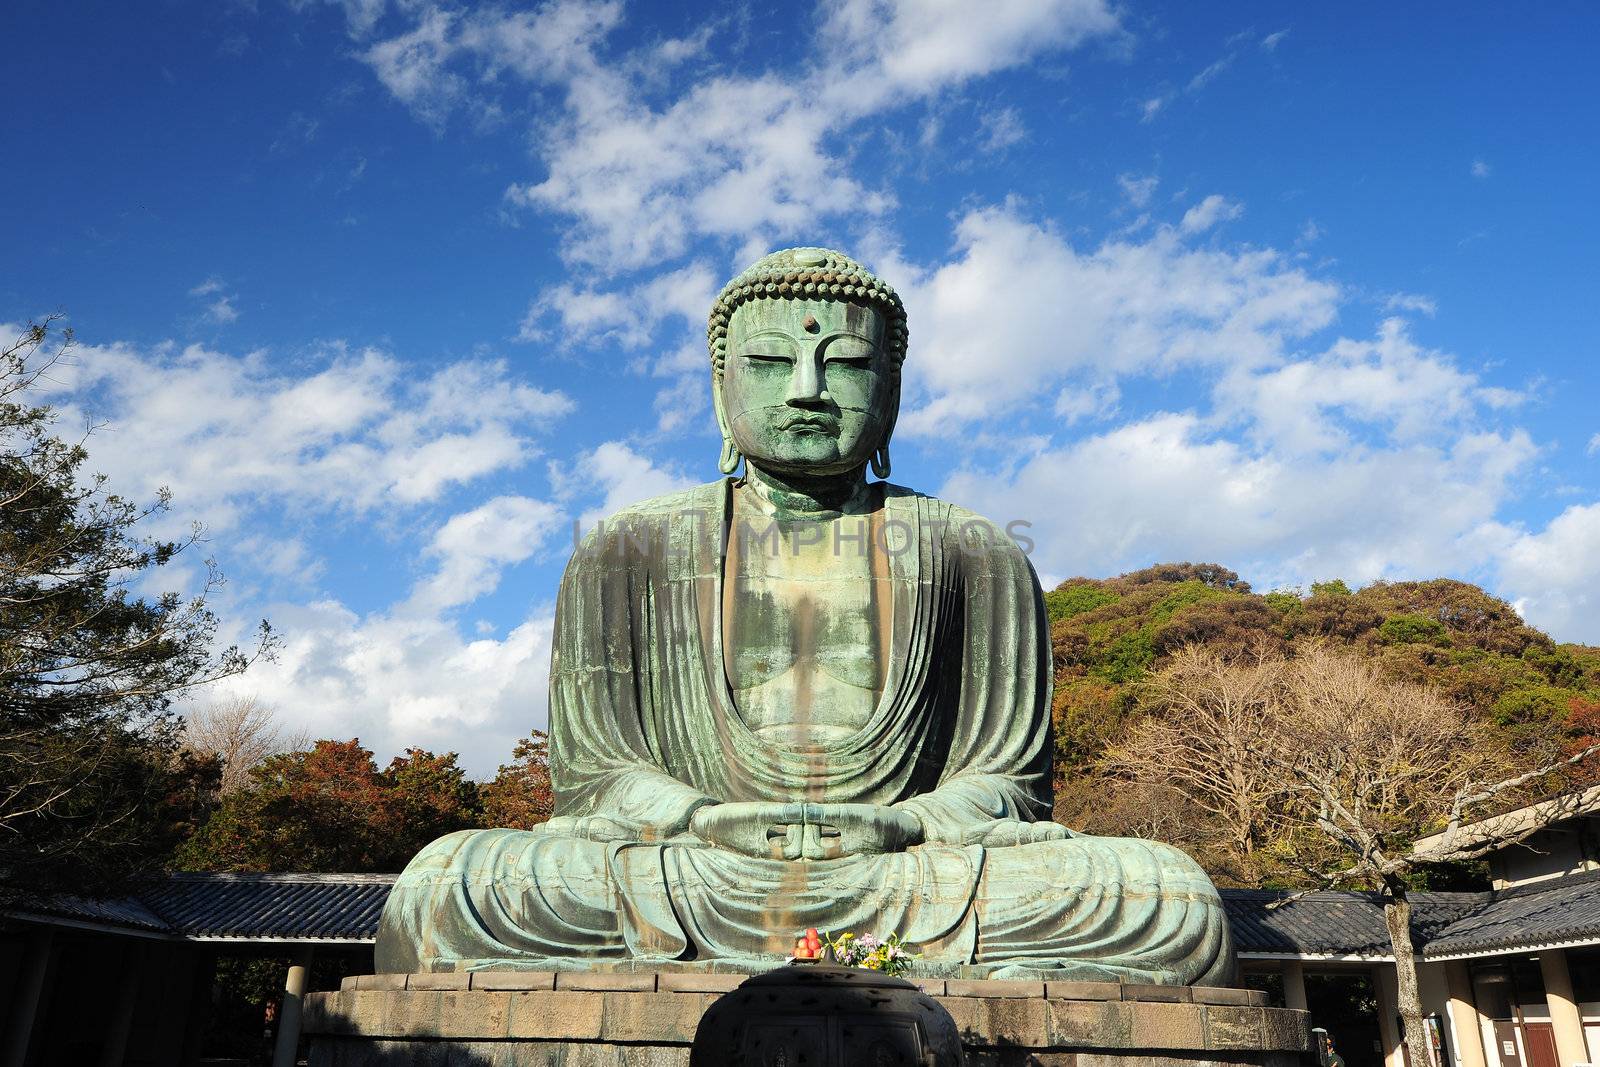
(643, 729)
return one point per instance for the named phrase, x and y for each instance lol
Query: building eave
(1512, 950)
(1318, 957)
(1513, 823)
(46, 919)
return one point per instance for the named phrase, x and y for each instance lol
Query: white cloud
(1097, 401)
(1017, 310)
(289, 558)
(221, 310)
(1206, 76)
(922, 46)
(1153, 106)
(551, 44)
(1364, 459)
(357, 432)
(412, 66)
(397, 680)
(1480, 169)
(1138, 190)
(475, 546)
(405, 675)
(646, 318)
(1001, 129)
(1166, 487)
(1593, 446)
(1209, 212)
(1553, 575)
(630, 317)
(640, 173)
(266, 456)
(735, 158)
(1424, 305)
(1332, 401)
(623, 475)
(686, 401)
(585, 315)
(269, 459)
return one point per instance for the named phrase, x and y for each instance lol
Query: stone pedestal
(643, 1019)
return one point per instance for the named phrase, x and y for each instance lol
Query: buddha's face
(806, 384)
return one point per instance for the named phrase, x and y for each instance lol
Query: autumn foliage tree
(330, 808)
(520, 795)
(1583, 723)
(430, 796)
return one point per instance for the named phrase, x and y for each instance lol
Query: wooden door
(1505, 1043)
(1540, 1039)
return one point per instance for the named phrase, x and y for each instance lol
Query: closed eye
(851, 351)
(767, 357)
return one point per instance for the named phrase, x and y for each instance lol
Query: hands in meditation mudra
(798, 698)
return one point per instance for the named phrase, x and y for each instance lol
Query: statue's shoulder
(948, 516)
(961, 529)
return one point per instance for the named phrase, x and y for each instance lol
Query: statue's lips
(810, 424)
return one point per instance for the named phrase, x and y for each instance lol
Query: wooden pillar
(25, 1003)
(115, 1044)
(1565, 1020)
(1294, 984)
(294, 991)
(1466, 1025)
(1394, 1049)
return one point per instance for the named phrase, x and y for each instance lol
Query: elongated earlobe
(880, 461)
(730, 457)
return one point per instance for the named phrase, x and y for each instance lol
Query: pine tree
(93, 783)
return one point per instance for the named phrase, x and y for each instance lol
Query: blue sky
(392, 292)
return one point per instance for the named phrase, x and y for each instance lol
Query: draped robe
(643, 728)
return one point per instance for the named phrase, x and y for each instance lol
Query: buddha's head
(806, 348)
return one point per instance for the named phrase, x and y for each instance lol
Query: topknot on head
(807, 273)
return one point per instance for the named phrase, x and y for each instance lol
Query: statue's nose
(806, 385)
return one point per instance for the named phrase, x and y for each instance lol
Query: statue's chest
(805, 633)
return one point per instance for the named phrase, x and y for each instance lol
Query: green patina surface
(798, 697)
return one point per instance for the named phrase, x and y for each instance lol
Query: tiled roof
(1565, 909)
(121, 912)
(1333, 924)
(271, 906)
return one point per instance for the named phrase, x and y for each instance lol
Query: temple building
(1510, 976)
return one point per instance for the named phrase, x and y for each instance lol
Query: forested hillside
(1536, 698)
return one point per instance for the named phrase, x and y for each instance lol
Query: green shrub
(1070, 600)
(1407, 629)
